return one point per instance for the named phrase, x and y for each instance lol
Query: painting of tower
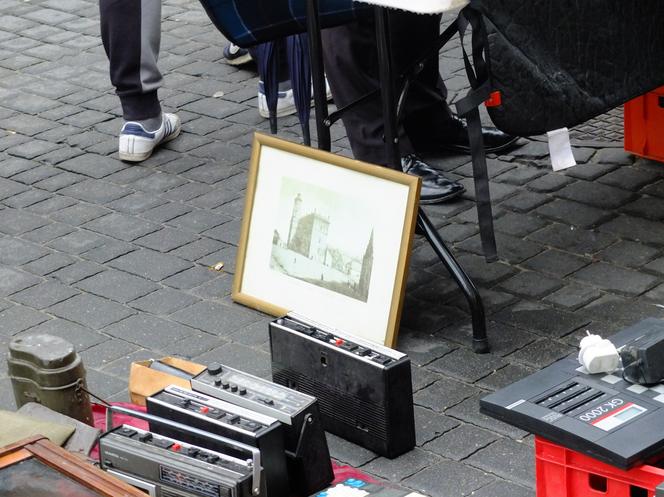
(367, 266)
(295, 217)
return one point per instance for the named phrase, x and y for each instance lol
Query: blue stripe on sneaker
(136, 130)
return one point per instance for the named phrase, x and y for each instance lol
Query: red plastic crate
(561, 472)
(644, 125)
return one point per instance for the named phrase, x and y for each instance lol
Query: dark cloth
(131, 33)
(351, 65)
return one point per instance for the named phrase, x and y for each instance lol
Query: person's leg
(131, 34)
(350, 58)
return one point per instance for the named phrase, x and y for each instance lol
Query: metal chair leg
(318, 76)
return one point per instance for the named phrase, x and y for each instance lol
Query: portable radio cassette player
(227, 420)
(364, 390)
(601, 415)
(309, 464)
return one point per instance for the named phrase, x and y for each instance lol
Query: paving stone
(448, 478)
(427, 317)
(634, 228)
(348, 453)
(616, 279)
(215, 318)
(423, 348)
(19, 318)
(656, 266)
(7, 401)
(511, 249)
(505, 376)
(541, 353)
(538, 318)
(47, 233)
(44, 294)
(613, 156)
(646, 206)
(573, 213)
(467, 366)
(136, 203)
(166, 239)
(106, 352)
(198, 221)
(95, 166)
(12, 281)
(503, 338)
(556, 263)
(619, 312)
(48, 264)
(501, 488)
(90, 311)
(571, 239)
(80, 337)
(190, 278)
(525, 201)
(530, 284)
(591, 171)
(35, 175)
(26, 199)
(164, 301)
(17, 221)
(166, 212)
(629, 254)
(573, 296)
(121, 366)
(550, 182)
(10, 167)
(596, 194)
(628, 178)
(468, 411)
(508, 459)
(397, 469)
(117, 285)
(461, 442)
(498, 191)
(79, 214)
(149, 264)
(94, 191)
(217, 288)
(444, 394)
(656, 294)
(656, 189)
(104, 385)
(121, 226)
(430, 425)
(197, 249)
(148, 331)
(16, 252)
(517, 224)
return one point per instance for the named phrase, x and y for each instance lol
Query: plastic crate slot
(598, 483)
(635, 491)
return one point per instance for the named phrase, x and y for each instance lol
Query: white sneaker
(285, 101)
(137, 144)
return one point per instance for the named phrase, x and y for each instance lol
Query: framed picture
(37, 467)
(327, 238)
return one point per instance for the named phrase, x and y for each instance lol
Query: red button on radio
(339, 342)
(176, 447)
(205, 409)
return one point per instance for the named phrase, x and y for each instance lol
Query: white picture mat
(388, 202)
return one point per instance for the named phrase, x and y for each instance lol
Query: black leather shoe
(436, 188)
(454, 137)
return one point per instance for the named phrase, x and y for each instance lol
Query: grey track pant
(131, 33)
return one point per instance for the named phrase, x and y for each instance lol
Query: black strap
(468, 108)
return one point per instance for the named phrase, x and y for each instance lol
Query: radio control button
(267, 401)
(216, 414)
(233, 388)
(217, 382)
(214, 368)
(224, 385)
(211, 458)
(234, 418)
(161, 443)
(339, 342)
(243, 391)
(204, 409)
(145, 437)
(251, 426)
(192, 451)
(176, 447)
(126, 432)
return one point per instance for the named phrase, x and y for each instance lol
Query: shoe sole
(489, 150)
(441, 200)
(238, 61)
(128, 157)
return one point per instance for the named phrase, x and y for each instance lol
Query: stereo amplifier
(165, 467)
(227, 420)
(364, 390)
(309, 464)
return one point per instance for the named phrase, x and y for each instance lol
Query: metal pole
(318, 76)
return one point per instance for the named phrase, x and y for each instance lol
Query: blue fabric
(250, 22)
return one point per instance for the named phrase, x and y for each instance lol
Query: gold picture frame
(325, 237)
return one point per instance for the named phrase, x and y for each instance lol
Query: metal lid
(45, 351)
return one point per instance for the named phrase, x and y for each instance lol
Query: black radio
(364, 389)
(309, 464)
(227, 420)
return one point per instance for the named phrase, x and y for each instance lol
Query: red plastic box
(644, 125)
(562, 472)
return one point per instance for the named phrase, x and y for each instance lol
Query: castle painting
(322, 238)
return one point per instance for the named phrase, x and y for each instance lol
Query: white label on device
(517, 403)
(619, 416)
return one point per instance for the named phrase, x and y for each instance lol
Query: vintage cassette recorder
(168, 467)
(364, 390)
(227, 420)
(309, 464)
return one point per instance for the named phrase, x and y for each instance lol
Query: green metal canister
(46, 369)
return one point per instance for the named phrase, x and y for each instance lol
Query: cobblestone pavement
(115, 257)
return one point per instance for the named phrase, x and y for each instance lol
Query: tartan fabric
(250, 22)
